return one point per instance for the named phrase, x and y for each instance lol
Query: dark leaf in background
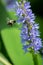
(37, 6)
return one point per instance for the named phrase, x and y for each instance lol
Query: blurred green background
(8, 34)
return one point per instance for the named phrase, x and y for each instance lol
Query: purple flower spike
(30, 30)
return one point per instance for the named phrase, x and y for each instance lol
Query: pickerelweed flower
(30, 34)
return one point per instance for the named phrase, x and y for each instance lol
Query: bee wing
(8, 20)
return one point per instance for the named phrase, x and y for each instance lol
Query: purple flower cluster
(29, 32)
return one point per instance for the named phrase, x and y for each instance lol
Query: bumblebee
(10, 22)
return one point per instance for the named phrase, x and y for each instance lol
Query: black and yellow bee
(10, 22)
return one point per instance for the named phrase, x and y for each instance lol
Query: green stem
(35, 58)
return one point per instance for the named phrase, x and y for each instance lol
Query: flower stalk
(35, 58)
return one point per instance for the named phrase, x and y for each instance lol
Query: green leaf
(13, 45)
(12, 15)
